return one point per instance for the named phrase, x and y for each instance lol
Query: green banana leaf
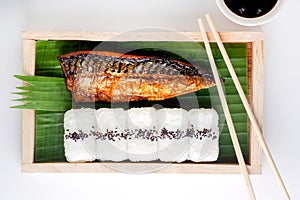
(47, 93)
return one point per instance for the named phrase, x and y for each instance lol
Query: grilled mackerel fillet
(113, 77)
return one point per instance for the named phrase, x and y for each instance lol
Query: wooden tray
(254, 42)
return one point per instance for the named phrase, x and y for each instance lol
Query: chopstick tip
(208, 18)
(200, 22)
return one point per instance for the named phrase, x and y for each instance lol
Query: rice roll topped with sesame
(204, 135)
(172, 126)
(111, 139)
(79, 142)
(142, 126)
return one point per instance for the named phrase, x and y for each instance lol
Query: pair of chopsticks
(257, 130)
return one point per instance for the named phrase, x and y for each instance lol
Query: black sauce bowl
(250, 12)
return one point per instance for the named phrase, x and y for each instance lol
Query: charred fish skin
(87, 62)
(107, 76)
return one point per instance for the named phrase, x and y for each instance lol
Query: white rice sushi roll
(204, 135)
(172, 126)
(79, 143)
(142, 123)
(111, 140)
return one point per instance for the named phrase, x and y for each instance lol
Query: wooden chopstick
(232, 131)
(257, 130)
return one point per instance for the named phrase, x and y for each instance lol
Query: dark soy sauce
(250, 8)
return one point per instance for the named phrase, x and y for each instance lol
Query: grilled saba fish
(113, 77)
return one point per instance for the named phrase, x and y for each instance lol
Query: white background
(281, 108)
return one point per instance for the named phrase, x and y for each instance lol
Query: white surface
(281, 88)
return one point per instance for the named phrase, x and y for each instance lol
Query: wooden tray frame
(255, 47)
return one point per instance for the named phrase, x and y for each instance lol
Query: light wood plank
(142, 36)
(163, 168)
(29, 57)
(28, 116)
(257, 100)
(28, 130)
